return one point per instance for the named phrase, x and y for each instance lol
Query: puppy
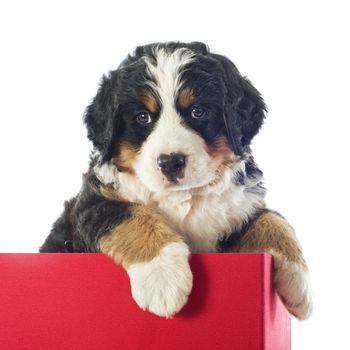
(172, 173)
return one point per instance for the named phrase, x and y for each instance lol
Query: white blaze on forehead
(166, 72)
(169, 134)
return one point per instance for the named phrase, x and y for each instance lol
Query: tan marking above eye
(186, 97)
(150, 102)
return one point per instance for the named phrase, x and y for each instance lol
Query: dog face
(175, 115)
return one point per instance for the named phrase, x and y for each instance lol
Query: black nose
(172, 165)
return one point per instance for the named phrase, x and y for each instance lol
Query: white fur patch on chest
(202, 216)
(205, 218)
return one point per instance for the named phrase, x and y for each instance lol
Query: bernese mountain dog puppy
(172, 173)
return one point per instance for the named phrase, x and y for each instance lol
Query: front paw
(163, 284)
(292, 283)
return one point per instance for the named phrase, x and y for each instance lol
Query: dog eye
(197, 112)
(143, 118)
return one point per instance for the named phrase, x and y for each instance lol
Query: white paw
(293, 285)
(163, 284)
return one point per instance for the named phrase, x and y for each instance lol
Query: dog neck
(203, 215)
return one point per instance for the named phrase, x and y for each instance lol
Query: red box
(83, 301)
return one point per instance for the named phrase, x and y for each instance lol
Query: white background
(296, 53)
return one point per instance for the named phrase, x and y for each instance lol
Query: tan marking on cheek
(138, 239)
(150, 102)
(125, 159)
(271, 233)
(186, 98)
(222, 154)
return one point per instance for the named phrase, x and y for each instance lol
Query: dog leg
(272, 234)
(155, 258)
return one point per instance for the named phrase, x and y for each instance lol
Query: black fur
(85, 220)
(61, 235)
(101, 117)
(234, 109)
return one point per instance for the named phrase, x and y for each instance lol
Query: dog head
(175, 115)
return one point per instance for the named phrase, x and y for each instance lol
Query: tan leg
(155, 258)
(272, 234)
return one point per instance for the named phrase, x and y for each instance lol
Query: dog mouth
(183, 181)
(178, 172)
(174, 178)
(173, 182)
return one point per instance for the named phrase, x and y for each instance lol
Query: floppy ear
(101, 117)
(244, 109)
